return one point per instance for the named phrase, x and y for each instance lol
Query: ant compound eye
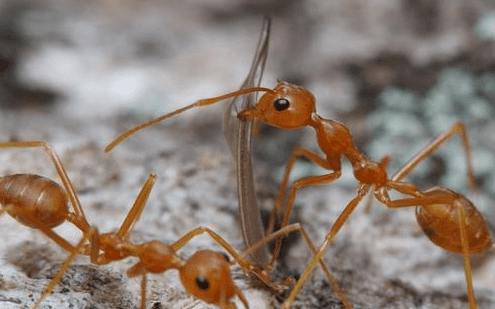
(202, 283)
(281, 104)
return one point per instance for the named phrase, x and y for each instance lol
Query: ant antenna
(203, 102)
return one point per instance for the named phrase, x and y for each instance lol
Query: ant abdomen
(33, 200)
(440, 222)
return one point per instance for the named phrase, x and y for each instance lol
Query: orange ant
(442, 213)
(41, 203)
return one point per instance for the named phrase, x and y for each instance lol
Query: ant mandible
(442, 213)
(40, 203)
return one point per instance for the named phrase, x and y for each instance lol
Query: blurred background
(397, 72)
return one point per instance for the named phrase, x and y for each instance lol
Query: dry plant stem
(238, 134)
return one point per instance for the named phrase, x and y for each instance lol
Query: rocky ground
(76, 75)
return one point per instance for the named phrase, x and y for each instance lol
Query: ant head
(206, 275)
(288, 106)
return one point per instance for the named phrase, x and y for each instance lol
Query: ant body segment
(45, 205)
(448, 218)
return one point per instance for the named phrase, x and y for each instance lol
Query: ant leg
(298, 227)
(263, 275)
(78, 219)
(144, 282)
(333, 282)
(93, 251)
(368, 204)
(132, 217)
(47, 231)
(384, 162)
(241, 296)
(239, 258)
(344, 215)
(402, 187)
(217, 238)
(138, 206)
(443, 199)
(298, 152)
(57, 238)
(303, 182)
(457, 128)
(63, 268)
(243, 263)
(467, 262)
(129, 221)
